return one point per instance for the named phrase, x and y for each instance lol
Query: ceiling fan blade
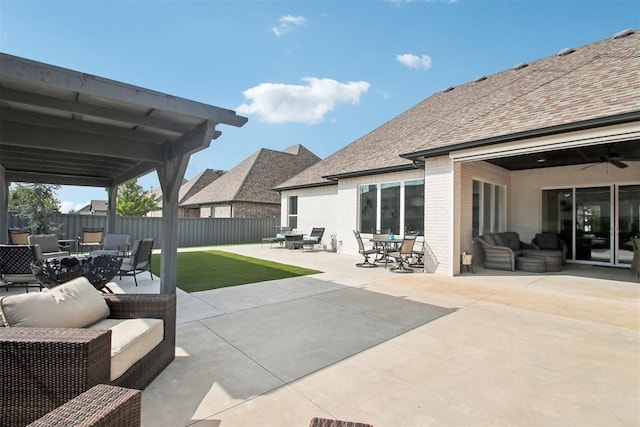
(589, 166)
(618, 163)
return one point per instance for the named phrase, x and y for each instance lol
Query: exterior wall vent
(479, 79)
(449, 89)
(566, 51)
(520, 66)
(623, 33)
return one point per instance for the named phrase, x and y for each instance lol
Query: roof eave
(551, 130)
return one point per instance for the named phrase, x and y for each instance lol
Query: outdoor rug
(293, 338)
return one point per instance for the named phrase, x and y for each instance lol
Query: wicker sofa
(42, 368)
(502, 250)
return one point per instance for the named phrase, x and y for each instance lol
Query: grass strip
(201, 271)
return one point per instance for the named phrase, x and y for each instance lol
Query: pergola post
(4, 207)
(170, 176)
(112, 193)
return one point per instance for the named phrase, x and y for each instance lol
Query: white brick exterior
(448, 202)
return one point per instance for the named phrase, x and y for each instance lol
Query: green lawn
(201, 271)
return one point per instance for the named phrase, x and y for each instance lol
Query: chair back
(19, 236)
(142, 256)
(407, 244)
(359, 239)
(317, 232)
(116, 242)
(15, 259)
(92, 235)
(47, 242)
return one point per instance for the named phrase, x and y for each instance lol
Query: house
(551, 145)
(247, 189)
(95, 207)
(187, 189)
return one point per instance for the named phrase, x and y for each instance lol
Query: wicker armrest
(102, 405)
(133, 306)
(42, 368)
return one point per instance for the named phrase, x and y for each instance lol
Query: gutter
(552, 130)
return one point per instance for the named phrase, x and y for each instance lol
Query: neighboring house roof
(254, 178)
(95, 206)
(192, 186)
(596, 81)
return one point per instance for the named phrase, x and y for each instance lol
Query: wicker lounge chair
(43, 368)
(279, 238)
(15, 267)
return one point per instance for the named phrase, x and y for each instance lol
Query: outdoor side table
(466, 261)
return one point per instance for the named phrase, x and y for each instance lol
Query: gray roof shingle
(598, 80)
(254, 178)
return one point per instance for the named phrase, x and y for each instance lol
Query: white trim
(610, 134)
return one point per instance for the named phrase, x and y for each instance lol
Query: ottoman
(552, 257)
(101, 406)
(531, 264)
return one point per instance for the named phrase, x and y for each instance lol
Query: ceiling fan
(610, 158)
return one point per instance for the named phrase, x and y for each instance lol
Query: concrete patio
(368, 345)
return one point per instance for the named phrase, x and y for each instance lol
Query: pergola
(59, 126)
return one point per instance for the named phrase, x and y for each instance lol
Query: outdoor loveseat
(505, 251)
(44, 367)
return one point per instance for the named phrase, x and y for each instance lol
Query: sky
(311, 72)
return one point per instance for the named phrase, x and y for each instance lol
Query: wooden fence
(191, 231)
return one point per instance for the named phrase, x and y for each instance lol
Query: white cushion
(131, 340)
(75, 304)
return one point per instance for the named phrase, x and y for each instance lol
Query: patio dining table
(388, 244)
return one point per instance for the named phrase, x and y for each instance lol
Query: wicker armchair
(43, 368)
(501, 249)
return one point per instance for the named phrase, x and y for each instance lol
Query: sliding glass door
(596, 223)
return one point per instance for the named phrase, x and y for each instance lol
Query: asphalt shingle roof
(254, 178)
(598, 80)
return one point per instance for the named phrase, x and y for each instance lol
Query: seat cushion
(75, 304)
(131, 340)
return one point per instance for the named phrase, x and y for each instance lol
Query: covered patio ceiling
(64, 127)
(59, 126)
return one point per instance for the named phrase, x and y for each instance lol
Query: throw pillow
(75, 304)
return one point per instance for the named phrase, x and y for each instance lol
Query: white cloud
(414, 61)
(287, 24)
(66, 206)
(283, 103)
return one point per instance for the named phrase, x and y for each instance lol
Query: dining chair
(91, 238)
(366, 253)
(403, 255)
(19, 236)
(139, 260)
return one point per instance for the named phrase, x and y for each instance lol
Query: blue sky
(316, 73)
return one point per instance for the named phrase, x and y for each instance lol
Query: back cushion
(75, 304)
(510, 239)
(489, 239)
(547, 241)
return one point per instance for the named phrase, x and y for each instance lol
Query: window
(488, 208)
(398, 206)
(368, 207)
(293, 212)
(414, 206)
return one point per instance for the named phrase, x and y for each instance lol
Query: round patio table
(98, 270)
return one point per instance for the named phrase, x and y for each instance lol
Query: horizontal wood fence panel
(191, 231)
